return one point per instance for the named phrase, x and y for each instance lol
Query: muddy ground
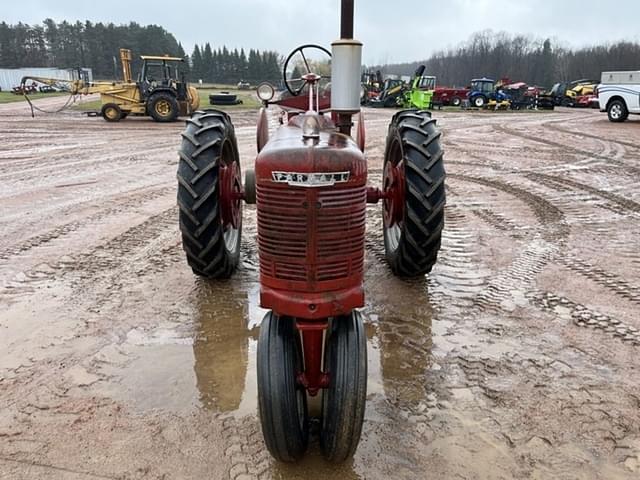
(516, 358)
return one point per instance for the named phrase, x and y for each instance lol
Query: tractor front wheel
(282, 401)
(210, 194)
(413, 182)
(479, 101)
(163, 107)
(111, 112)
(343, 401)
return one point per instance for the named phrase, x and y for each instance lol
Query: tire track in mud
(584, 316)
(458, 275)
(103, 267)
(482, 376)
(149, 247)
(530, 263)
(498, 221)
(567, 148)
(625, 204)
(551, 219)
(532, 266)
(113, 207)
(589, 135)
(244, 447)
(52, 176)
(547, 240)
(584, 220)
(484, 373)
(610, 281)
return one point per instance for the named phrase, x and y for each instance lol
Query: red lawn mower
(311, 194)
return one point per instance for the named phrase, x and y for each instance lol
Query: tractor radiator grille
(311, 234)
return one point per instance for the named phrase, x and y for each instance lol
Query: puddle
(206, 357)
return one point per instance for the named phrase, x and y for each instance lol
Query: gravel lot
(516, 358)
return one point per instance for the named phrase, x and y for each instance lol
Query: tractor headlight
(265, 91)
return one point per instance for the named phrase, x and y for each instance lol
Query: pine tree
(207, 62)
(196, 64)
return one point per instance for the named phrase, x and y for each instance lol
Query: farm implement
(160, 92)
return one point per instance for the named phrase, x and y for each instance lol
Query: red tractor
(311, 195)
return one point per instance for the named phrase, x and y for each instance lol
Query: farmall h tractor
(311, 194)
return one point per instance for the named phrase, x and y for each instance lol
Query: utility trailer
(443, 96)
(619, 94)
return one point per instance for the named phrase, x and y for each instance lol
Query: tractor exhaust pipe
(346, 68)
(346, 20)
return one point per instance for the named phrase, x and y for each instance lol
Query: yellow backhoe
(160, 91)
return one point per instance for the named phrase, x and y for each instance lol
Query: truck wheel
(479, 101)
(456, 102)
(209, 194)
(111, 112)
(343, 402)
(282, 402)
(413, 182)
(163, 107)
(617, 111)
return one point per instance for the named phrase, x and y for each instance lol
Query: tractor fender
(162, 88)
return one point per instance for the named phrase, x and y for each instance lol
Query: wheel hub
(163, 108)
(394, 185)
(230, 195)
(616, 111)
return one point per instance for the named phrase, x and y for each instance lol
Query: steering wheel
(288, 82)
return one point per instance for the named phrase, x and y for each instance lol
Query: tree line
(97, 46)
(82, 44)
(521, 58)
(226, 66)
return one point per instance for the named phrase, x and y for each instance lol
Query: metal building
(11, 77)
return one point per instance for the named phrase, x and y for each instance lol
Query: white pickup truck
(619, 94)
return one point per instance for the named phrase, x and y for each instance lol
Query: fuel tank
(311, 205)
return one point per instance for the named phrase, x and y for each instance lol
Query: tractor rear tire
(343, 402)
(208, 146)
(413, 229)
(111, 112)
(163, 107)
(617, 111)
(479, 101)
(282, 402)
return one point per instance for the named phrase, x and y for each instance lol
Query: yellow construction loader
(160, 91)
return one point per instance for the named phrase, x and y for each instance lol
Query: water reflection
(400, 313)
(221, 343)
(398, 319)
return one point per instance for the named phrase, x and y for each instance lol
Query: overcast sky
(391, 30)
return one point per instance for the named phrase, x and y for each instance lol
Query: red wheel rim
(393, 181)
(230, 201)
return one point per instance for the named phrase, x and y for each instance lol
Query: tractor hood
(324, 160)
